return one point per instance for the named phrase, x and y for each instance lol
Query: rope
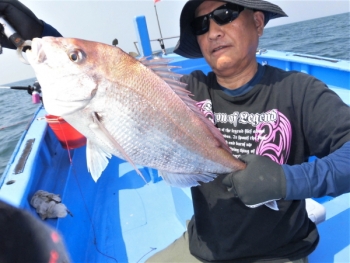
(90, 217)
(83, 199)
(66, 141)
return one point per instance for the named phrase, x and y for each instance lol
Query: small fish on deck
(49, 205)
(136, 110)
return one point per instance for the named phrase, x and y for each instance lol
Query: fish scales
(124, 109)
(142, 131)
(170, 105)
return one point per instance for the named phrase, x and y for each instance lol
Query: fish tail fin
(272, 204)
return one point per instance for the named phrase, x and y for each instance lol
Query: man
(285, 117)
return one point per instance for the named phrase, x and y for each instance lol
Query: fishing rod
(19, 42)
(33, 90)
(14, 37)
(9, 31)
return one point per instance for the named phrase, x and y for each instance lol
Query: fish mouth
(37, 53)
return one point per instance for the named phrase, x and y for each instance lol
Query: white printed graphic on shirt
(268, 133)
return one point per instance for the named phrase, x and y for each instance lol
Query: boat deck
(117, 219)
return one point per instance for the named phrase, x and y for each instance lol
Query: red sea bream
(139, 113)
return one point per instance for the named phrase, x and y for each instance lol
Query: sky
(103, 21)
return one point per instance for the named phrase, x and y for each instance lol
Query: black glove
(262, 180)
(26, 24)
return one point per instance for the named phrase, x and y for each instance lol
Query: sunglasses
(222, 16)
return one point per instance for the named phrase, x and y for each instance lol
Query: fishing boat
(119, 218)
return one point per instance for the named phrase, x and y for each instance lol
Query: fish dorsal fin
(161, 67)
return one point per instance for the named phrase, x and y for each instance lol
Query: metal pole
(160, 31)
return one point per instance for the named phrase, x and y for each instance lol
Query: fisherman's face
(230, 48)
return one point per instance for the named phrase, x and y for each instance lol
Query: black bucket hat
(187, 45)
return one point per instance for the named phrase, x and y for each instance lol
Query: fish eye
(73, 57)
(76, 55)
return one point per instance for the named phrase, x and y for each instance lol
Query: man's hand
(262, 180)
(21, 19)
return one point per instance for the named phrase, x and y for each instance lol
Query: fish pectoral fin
(97, 159)
(120, 149)
(185, 180)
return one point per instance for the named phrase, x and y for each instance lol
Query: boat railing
(160, 40)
